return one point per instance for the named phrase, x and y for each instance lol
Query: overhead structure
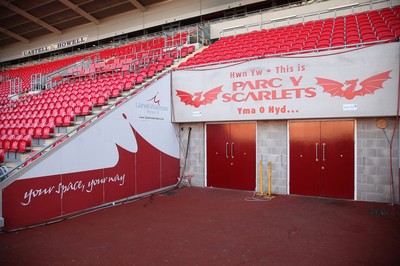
(12, 34)
(22, 21)
(80, 11)
(138, 5)
(29, 16)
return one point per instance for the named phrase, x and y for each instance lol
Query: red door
(231, 156)
(322, 158)
(304, 166)
(337, 138)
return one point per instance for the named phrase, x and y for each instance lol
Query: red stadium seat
(160, 67)
(10, 131)
(37, 134)
(36, 120)
(337, 42)
(115, 92)
(3, 137)
(23, 130)
(16, 130)
(386, 35)
(2, 156)
(51, 119)
(101, 100)
(86, 109)
(128, 85)
(3, 131)
(352, 40)
(58, 120)
(46, 132)
(22, 145)
(106, 93)
(30, 130)
(28, 140)
(7, 142)
(68, 110)
(14, 144)
(140, 79)
(66, 121)
(85, 100)
(143, 72)
(183, 64)
(151, 73)
(323, 44)
(93, 100)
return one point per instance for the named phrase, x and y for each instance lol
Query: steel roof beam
(80, 11)
(29, 16)
(14, 35)
(138, 5)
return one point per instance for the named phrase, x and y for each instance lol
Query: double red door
(231, 156)
(322, 158)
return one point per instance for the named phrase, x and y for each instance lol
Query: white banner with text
(361, 82)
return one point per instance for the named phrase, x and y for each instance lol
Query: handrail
(284, 54)
(47, 77)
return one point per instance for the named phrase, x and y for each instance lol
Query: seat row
(15, 117)
(29, 129)
(366, 28)
(64, 119)
(139, 48)
(18, 143)
(22, 142)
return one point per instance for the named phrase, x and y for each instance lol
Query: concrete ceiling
(22, 21)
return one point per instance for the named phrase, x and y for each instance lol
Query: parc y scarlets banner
(358, 82)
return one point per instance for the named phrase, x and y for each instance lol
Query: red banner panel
(31, 201)
(82, 190)
(121, 180)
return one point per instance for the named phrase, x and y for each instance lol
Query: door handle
(233, 150)
(226, 150)
(323, 151)
(316, 152)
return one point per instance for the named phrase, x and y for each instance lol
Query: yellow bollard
(269, 195)
(261, 194)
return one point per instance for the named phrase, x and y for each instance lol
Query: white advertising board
(361, 82)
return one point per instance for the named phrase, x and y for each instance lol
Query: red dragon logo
(368, 86)
(198, 98)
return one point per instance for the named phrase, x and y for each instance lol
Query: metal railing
(46, 81)
(293, 53)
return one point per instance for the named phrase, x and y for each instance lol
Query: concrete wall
(272, 147)
(195, 164)
(373, 160)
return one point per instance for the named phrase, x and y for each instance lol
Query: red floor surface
(197, 226)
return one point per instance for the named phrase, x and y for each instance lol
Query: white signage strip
(343, 83)
(55, 46)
